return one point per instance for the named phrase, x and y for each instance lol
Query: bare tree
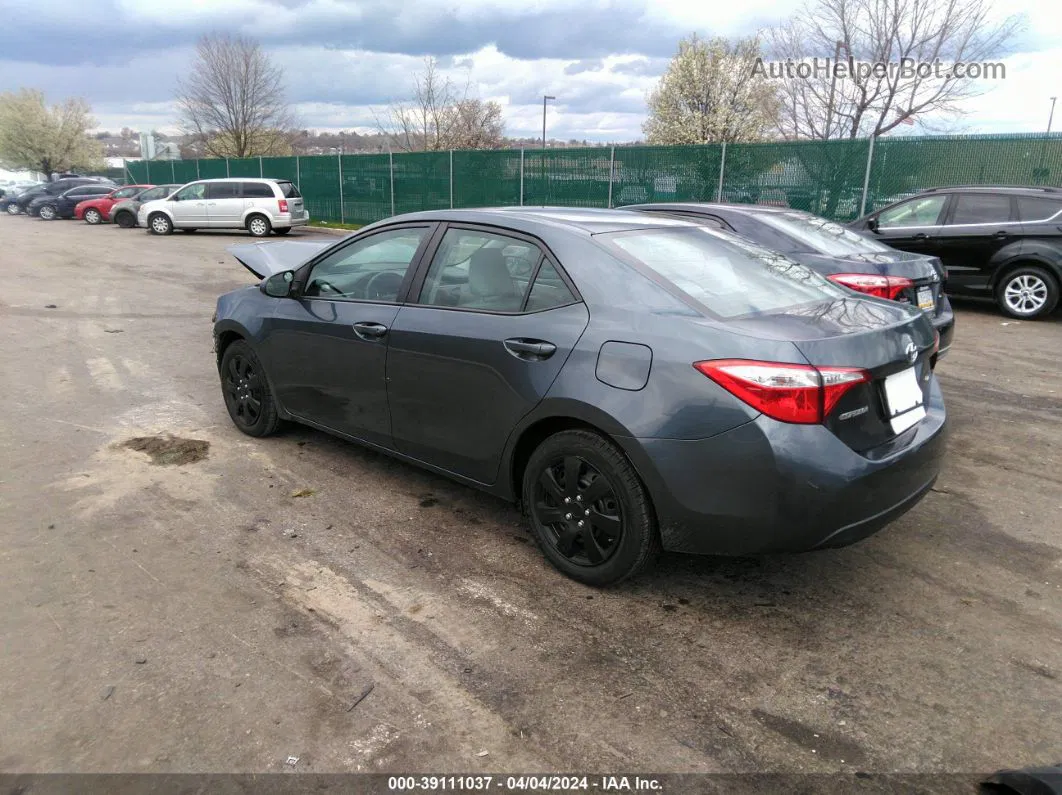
(233, 103)
(473, 124)
(866, 99)
(710, 94)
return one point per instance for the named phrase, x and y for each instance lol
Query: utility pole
(1051, 118)
(545, 97)
(833, 83)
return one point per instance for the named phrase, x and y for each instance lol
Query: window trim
(544, 253)
(954, 204)
(304, 271)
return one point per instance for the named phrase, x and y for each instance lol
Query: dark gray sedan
(632, 381)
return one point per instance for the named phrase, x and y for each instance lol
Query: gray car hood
(265, 259)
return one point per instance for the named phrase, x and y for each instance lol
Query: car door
(66, 202)
(189, 207)
(224, 204)
(912, 225)
(326, 350)
(977, 225)
(489, 324)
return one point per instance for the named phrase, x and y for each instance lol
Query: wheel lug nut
(567, 500)
(580, 523)
(567, 516)
(586, 512)
(579, 498)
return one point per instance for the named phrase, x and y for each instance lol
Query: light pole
(545, 97)
(1051, 118)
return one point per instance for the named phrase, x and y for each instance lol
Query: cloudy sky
(348, 59)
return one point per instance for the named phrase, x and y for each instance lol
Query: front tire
(93, 216)
(126, 220)
(13, 209)
(588, 509)
(47, 212)
(246, 391)
(160, 224)
(259, 226)
(1027, 292)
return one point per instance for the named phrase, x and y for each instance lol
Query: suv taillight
(283, 205)
(890, 287)
(797, 393)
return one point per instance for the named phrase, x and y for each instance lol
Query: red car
(98, 211)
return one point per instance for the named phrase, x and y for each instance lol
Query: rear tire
(13, 209)
(1028, 292)
(126, 220)
(282, 230)
(258, 225)
(599, 528)
(160, 224)
(246, 391)
(93, 216)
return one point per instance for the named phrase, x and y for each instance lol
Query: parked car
(631, 380)
(50, 207)
(50, 189)
(997, 242)
(852, 259)
(260, 206)
(124, 213)
(98, 210)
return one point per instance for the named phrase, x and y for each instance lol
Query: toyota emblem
(911, 351)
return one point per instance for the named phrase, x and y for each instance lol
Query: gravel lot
(199, 616)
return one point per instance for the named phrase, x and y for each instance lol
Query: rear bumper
(769, 486)
(944, 323)
(285, 219)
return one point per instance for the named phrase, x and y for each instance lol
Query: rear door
(326, 351)
(488, 327)
(224, 204)
(976, 227)
(912, 225)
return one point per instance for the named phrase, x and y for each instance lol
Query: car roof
(579, 219)
(1029, 189)
(241, 179)
(710, 207)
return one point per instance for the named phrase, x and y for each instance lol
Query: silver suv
(260, 206)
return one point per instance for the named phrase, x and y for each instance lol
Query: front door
(912, 225)
(188, 206)
(977, 226)
(326, 351)
(477, 349)
(224, 204)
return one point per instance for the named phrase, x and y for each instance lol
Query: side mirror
(279, 284)
(872, 224)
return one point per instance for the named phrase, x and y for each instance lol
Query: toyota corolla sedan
(632, 381)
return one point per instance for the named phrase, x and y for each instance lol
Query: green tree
(48, 139)
(710, 94)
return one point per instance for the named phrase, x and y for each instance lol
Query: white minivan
(260, 206)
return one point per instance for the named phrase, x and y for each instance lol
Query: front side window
(981, 208)
(726, 275)
(197, 190)
(923, 211)
(125, 193)
(152, 194)
(370, 269)
(222, 190)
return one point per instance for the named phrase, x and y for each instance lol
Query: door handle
(370, 331)
(211, 204)
(530, 349)
(1002, 233)
(920, 236)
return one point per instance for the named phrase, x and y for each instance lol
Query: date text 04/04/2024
(524, 783)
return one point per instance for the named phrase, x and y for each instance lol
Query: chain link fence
(837, 179)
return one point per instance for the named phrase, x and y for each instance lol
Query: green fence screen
(836, 179)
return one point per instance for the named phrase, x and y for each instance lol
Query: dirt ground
(211, 602)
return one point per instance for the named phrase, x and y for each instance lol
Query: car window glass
(756, 229)
(807, 232)
(548, 291)
(152, 194)
(196, 190)
(724, 273)
(981, 208)
(370, 269)
(1033, 208)
(922, 211)
(257, 190)
(480, 270)
(125, 193)
(289, 190)
(222, 190)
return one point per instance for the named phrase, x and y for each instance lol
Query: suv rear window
(1034, 208)
(289, 190)
(980, 208)
(728, 276)
(257, 190)
(222, 190)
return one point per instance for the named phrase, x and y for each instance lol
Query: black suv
(1000, 242)
(21, 202)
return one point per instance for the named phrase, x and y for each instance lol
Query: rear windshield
(821, 236)
(289, 190)
(726, 275)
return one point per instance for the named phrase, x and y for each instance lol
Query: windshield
(820, 235)
(728, 276)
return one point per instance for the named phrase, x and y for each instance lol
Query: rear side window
(222, 190)
(728, 277)
(549, 290)
(980, 208)
(257, 190)
(289, 190)
(1033, 208)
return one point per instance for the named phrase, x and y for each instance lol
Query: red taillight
(890, 287)
(797, 393)
(283, 204)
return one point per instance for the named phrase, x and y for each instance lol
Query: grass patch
(336, 225)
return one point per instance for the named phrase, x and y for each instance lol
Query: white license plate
(903, 400)
(925, 299)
